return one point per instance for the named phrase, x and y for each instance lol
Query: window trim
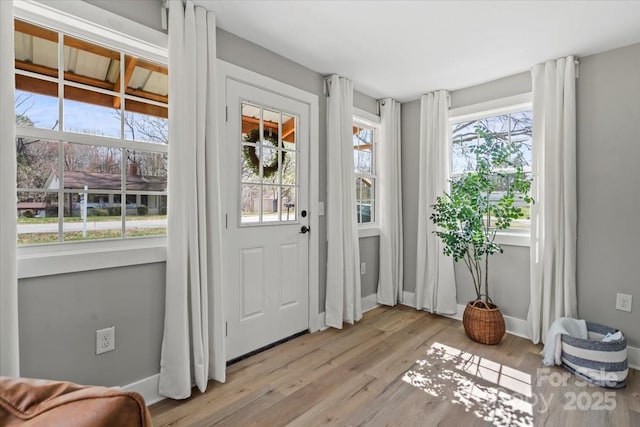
(83, 20)
(71, 257)
(495, 107)
(367, 119)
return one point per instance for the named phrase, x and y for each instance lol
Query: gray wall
(608, 120)
(145, 12)
(59, 317)
(370, 254)
(509, 272)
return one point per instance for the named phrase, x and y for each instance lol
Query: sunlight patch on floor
(493, 392)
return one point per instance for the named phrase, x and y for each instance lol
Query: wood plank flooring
(401, 367)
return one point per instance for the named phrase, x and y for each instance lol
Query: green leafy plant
(481, 202)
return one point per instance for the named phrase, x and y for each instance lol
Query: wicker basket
(483, 322)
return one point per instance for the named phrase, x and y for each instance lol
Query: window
(91, 140)
(512, 126)
(364, 163)
(269, 181)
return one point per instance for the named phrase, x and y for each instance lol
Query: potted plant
(481, 202)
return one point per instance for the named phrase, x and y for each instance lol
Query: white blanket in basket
(552, 351)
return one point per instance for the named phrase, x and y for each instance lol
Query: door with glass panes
(266, 203)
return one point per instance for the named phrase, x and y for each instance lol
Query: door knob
(304, 229)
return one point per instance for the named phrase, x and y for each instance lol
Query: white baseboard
(514, 326)
(408, 299)
(518, 327)
(322, 321)
(147, 388)
(369, 302)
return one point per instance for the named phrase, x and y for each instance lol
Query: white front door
(266, 194)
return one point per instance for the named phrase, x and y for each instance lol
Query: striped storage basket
(600, 363)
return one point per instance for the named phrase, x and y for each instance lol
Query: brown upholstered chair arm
(28, 402)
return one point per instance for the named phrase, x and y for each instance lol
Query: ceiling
(401, 49)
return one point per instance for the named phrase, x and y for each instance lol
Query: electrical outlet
(363, 268)
(105, 340)
(623, 302)
(320, 208)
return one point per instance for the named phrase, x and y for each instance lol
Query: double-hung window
(365, 138)
(509, 123)
(91, 139)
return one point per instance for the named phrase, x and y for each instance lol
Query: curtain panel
(554, 213)
(435, 280)
(193, 341)
(9, 356)
(390, 181)
(343, 298)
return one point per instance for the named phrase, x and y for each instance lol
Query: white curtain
(390, 205)
(9, 360)
(554, 214)
(343, 299)
(435, 280)
(193, 342)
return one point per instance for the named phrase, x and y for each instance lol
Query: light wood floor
(401, 367)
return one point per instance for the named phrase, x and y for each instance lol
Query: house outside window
(512, 125)
(91, 139)
(365, 137)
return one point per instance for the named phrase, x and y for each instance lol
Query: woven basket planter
(483, 322)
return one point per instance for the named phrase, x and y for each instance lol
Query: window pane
(463, 139)
(92, 166)
(271, 126)
(95, 116)
(362, 136)
(146, 215)
(250, 203)
(146, 171)
(270, 203)
(365, 161)
(91, 64)
(102, 221)
(270, 166)
(250, 164)
(289, 170)
(363, 149)
(36, 49)
(37, 217)
(289, 209)
(250, 122)
(289, 132)
(521, 127)
(37, 161)
(146, 122)
(145, 79)
(36, 103)
(365, 192)
(512, 129)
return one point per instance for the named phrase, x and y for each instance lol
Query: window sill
(46, 260)
(370, 231)
(513, 239)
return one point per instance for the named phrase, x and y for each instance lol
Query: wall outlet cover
(623, 302)
(105, 340)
